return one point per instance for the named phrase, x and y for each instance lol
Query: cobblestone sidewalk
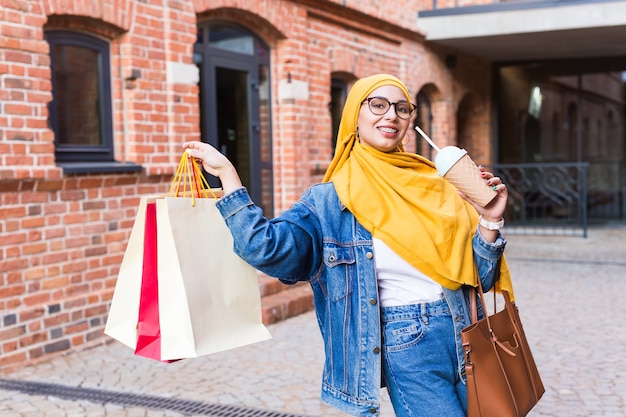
(570, 292)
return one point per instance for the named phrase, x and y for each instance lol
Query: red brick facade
(62, 236)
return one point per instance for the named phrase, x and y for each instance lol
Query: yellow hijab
(400, 198)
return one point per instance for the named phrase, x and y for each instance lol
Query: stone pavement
(570, 292)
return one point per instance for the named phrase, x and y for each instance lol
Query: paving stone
(569, 291)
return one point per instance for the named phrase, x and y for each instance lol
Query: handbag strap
(474, 312)
(473, 306)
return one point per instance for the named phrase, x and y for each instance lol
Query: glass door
(234, 104)
(233, 118)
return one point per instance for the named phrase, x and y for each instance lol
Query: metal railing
(546, 198)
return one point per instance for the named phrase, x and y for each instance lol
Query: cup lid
(447, 157)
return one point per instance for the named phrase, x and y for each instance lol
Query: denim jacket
(318, 240)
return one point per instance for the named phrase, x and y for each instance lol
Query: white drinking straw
(427, 138)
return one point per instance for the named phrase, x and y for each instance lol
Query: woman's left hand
(494, 211)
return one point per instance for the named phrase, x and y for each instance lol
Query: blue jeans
(420, 361)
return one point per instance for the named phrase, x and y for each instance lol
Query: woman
(388, 247)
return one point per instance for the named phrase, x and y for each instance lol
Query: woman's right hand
(215, 164)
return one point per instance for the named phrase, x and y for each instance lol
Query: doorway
(235, 104)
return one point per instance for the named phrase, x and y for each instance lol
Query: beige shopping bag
(199, 298)
(208, 297)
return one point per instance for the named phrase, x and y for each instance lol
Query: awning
(530, 30)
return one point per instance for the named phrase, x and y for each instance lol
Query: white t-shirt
(399, 283)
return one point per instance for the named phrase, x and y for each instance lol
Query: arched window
(80, 112)
(555, 131)
(424, 119)
(572, 134)
(338, 93)
(609, 136)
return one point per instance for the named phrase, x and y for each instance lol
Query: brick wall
(63, 236)
(62, 243)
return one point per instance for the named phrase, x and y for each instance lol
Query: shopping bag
(502, 377)
(181, 291)
(148, 324)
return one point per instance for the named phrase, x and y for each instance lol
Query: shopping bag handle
(188, 180)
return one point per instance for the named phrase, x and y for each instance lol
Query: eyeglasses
(380, 106)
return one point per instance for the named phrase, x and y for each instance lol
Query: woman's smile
(388, 131)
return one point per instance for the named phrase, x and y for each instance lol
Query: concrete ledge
(269, 285)
(291, 301)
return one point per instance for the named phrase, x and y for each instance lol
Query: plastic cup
(455, 165)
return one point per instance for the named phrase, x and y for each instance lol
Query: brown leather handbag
(502, 377)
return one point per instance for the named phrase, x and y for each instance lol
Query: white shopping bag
(208, 297)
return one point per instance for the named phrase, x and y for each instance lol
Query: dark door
(232, 82)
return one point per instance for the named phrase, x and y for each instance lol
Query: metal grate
(186, 407)
(546, 198)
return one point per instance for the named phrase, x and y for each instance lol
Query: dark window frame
(338, 90)
(86, 158)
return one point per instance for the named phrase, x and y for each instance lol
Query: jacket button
(373, 301)
(369, 255)
(331, 258)
(373, 410)
(376, 349)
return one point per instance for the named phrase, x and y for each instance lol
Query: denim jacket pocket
(340, 261)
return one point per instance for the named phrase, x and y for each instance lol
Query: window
(424, 119)
(80, 110)
(338, 94)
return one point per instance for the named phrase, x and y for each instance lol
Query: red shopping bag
(148, 327)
